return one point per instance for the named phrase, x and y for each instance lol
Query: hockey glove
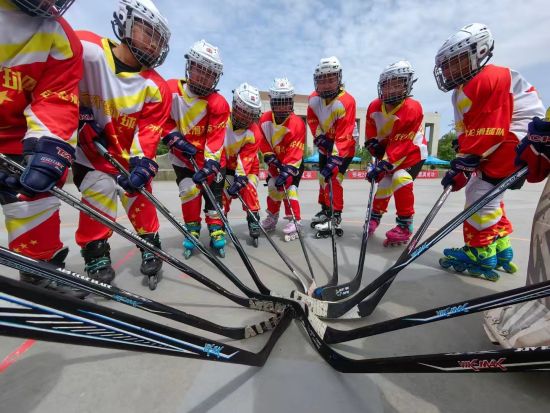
(142, 172)
(378, 171)
(47, 160)
(332, 167)
(460, 172)
(89, 132)
(271, 159)
(210, 167)
(238, 184)
(534, 150)
(177, 142)
(322, 141)
(286, 176)
(375, 148)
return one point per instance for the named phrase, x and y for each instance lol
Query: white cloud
(261, 40)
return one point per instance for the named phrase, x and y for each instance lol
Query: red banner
(355, 174)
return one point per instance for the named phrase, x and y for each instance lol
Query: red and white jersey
(241, 149)
(40, 66)
(334, 118)
(286, 140)
(130, 107)
(399, 130)
(492, 112)
(201, 119)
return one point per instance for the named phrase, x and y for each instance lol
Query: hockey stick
(312, 285)
(261, 286)
(256, 301)
(335, 309)
(517, 295)
(83, 282)
(285, 259)
(339, 292)
(28, 311)
(489, 361)
(367, 307)
(334, 279)
(179, 226)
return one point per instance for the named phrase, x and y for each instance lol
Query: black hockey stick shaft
(305, 283)
(334, 279)
(276, 303)
(339, 292)
(83, 282)
(458, 309)
(240, 250)
(300, 237)
(367, 307)
(43, 315)
(331, 309)
(179, 226)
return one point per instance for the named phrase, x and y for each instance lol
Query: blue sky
(260, 40)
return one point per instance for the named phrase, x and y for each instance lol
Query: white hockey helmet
(204, 68)
(463, 55)
(328, 77)
(44, 8)
(396, 82)
(246, 107)
(281, 97)
(139, 24)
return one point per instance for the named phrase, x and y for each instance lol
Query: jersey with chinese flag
(131, 108)
(201, 119)
(492, 112)
(241, 149)
(286, 140)
(40, 66)
(399, 130)
(334, 118)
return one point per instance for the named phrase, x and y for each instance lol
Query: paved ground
(49, 377)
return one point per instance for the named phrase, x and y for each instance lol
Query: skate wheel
(459, 267)
(288, 238)
(510, 268)
(326, 235)
(294, 236)
(444, 263)
(153, 282)
(255, 242)
(187, 254)
(339, 232)
(318, 235)
(312, 225)
(386, 243)
(221, 251)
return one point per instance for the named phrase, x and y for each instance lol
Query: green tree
(445, 149)
(162, 149)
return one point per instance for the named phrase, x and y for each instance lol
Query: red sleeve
(248, 155)
(370, 126)
(152, 120)
(54, 106)
(170, 125)
(401, 142)
(487, 122)
(344, 143)
(294, 143)
(215, 135)
(312, 121)
(265, 146)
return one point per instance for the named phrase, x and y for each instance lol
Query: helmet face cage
(242, 115)
(456, 70)
(281, 107)
(202, 80)
(146, 34)
(394, 89)
(327, 85)
(44, 8)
